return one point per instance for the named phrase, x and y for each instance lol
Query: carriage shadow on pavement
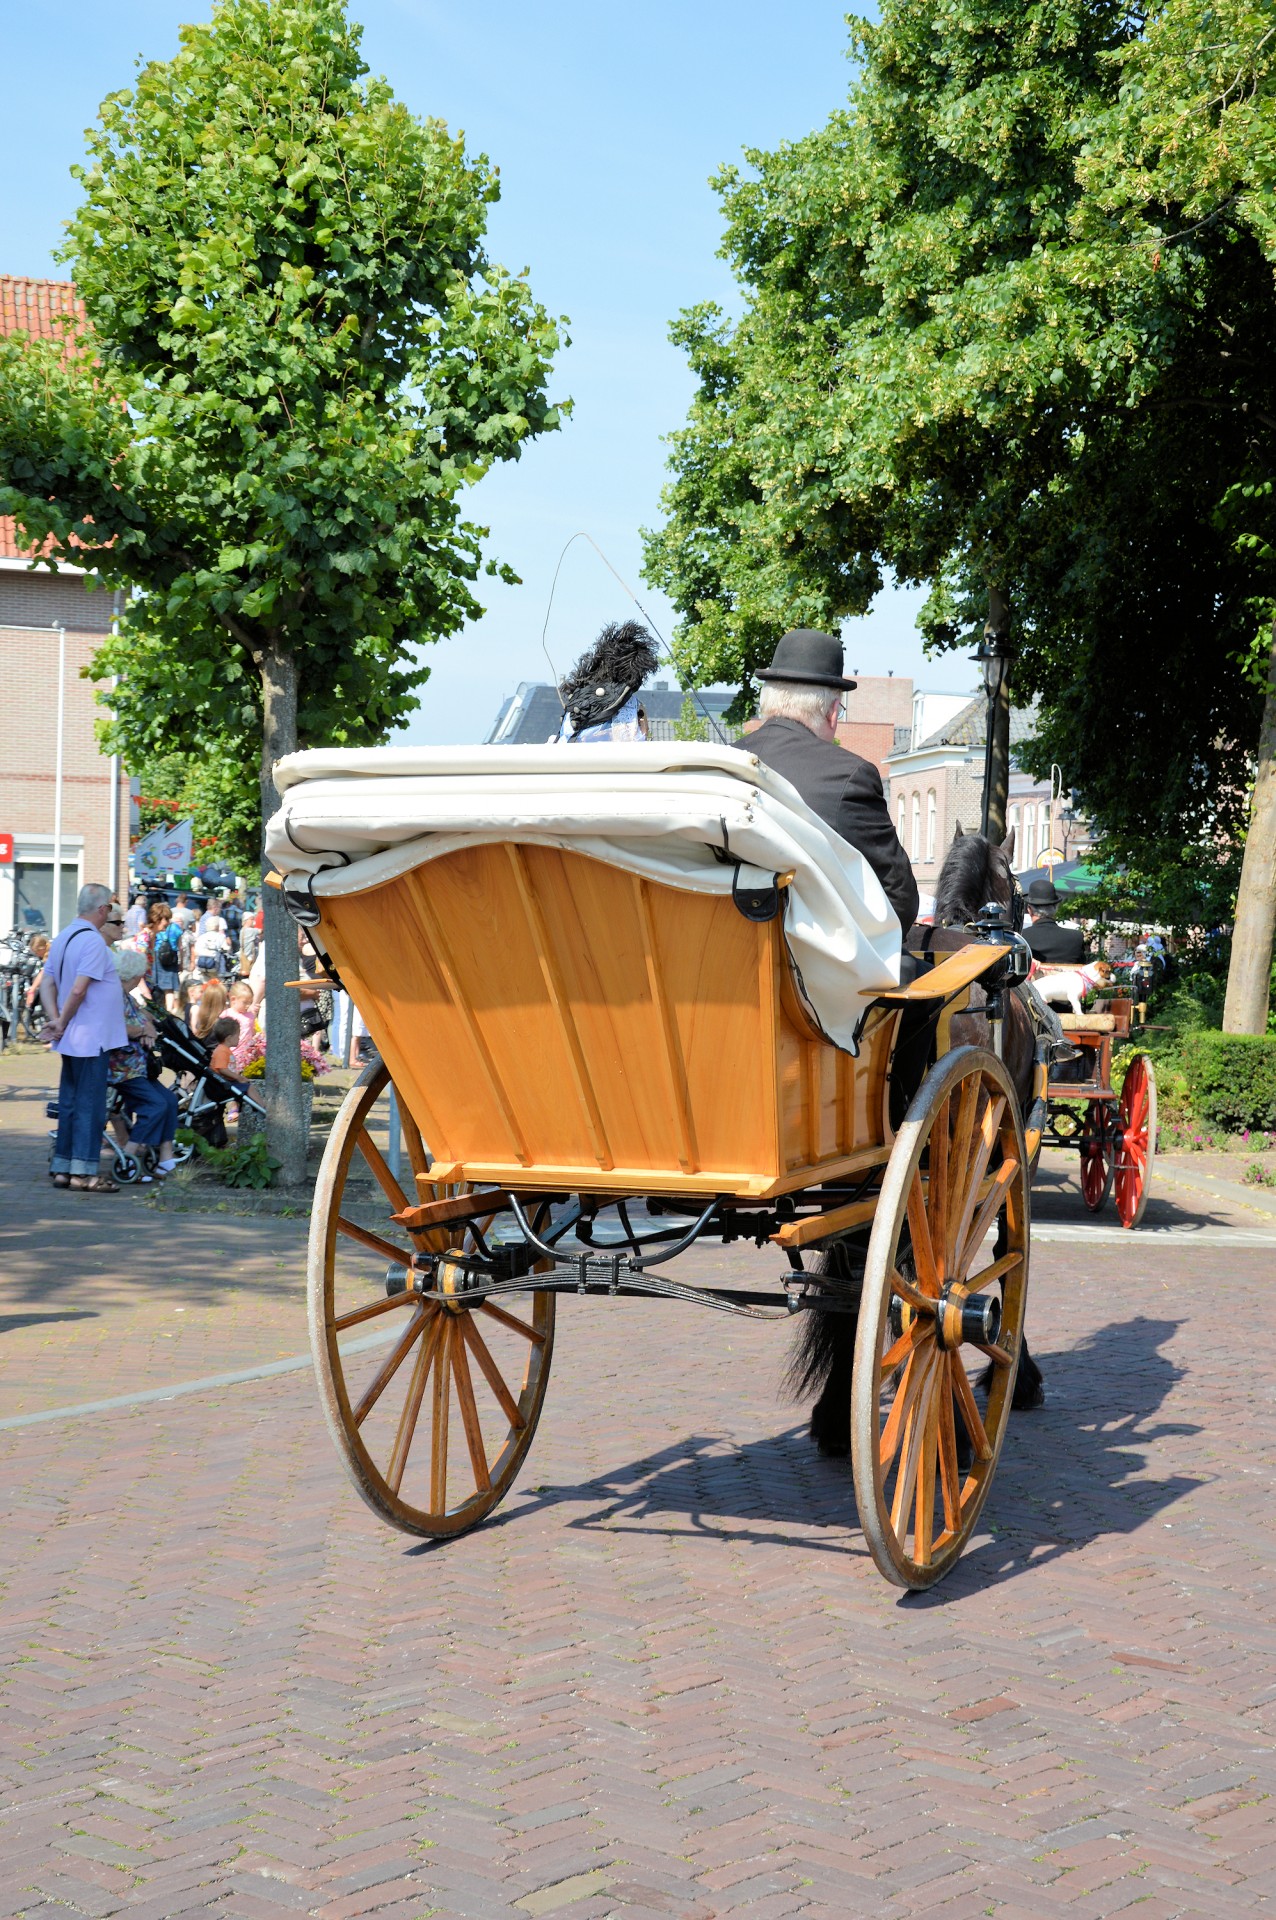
(1071, 1472)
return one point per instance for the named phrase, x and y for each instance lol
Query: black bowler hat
(814, 659)
(1041, 893)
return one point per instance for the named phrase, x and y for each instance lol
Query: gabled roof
(33, 307)
(968, 728)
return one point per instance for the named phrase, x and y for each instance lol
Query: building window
(1013, 823)
(1029, 836)
(1043, 827)
(931, 823)
(900, 827)
(914, 851)
(33, 895)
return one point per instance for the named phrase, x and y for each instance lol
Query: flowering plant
(248, 1062)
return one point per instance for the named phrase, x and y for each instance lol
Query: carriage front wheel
(432, 1406)
(943, 1299)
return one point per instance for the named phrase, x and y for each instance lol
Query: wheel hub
(451, 1278)
(963, 1317)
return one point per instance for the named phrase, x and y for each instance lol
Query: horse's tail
(823, 1338)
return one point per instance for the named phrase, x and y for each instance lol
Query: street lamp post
(993, 655)
(55, 908)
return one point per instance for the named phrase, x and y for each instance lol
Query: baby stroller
(126, 1167)
(203, 1095)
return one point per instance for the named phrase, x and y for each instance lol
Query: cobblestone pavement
(665, 1678)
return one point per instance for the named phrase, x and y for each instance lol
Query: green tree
(968, 352)
(216, 791)
(299, 355)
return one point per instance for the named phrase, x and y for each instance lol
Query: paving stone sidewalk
(665, 1678)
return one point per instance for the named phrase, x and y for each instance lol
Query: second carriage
(1111, 1127)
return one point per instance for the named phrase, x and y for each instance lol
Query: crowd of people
(193, 943)
(103, 978)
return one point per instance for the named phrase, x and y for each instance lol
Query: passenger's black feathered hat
(604, 678)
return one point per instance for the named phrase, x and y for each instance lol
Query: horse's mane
(964, 885)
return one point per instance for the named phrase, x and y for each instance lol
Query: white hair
(92, 897)
(796, 700)
(129, 964)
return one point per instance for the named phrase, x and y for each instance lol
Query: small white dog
(1070, 984)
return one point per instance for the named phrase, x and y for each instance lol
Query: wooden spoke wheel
(941, 1300)
(1136, 1140)
(432, 1406)
(1098, 1155)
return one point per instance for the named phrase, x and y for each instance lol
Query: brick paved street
(665, 1679)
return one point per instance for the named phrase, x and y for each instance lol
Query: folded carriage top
(689, 816)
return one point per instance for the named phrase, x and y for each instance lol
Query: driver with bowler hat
(801, 696)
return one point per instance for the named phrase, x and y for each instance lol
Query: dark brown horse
(975, 874)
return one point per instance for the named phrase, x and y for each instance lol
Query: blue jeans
(81, 1114)
(154, 1111)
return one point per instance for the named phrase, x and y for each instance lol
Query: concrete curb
(1256, 1199)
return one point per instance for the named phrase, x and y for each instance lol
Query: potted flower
(248, 1062)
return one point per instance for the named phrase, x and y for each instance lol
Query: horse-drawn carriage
(1115, 1135)
(629, 999)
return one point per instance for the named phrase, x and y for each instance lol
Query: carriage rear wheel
(1098, 1155)
(941, 1299)
(1136, 1151)
(432, 1406)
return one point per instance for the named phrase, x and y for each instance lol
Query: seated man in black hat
(1052, 945)
(801, 695)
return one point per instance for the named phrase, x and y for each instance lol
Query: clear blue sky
(606, 123)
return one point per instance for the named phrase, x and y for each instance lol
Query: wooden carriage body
(556, 1023)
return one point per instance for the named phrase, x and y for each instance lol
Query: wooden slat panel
(710, 963)
(678, 1005)
(461, 991)
(552, 974)
(675, 1068)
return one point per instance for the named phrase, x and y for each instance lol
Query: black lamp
(994, 657)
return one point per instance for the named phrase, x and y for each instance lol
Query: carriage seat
(1088, 1022)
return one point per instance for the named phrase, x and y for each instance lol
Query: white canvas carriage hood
(680, 813)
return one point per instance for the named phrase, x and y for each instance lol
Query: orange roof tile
(32, 307)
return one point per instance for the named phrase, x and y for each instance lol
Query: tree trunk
(285, 1122)
(1250, 971)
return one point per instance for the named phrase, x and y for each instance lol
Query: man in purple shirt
(82, 997)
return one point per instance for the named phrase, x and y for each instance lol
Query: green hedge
(1232, 1078)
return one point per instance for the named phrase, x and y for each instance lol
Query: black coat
(846, 792)
(1054, 945)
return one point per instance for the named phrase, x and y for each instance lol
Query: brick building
(34, 605)
(880, 705)
(937, 783)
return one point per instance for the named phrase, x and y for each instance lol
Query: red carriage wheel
(1136, 1140)
(1096, 1155)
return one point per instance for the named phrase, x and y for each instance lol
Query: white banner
(164, 850)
